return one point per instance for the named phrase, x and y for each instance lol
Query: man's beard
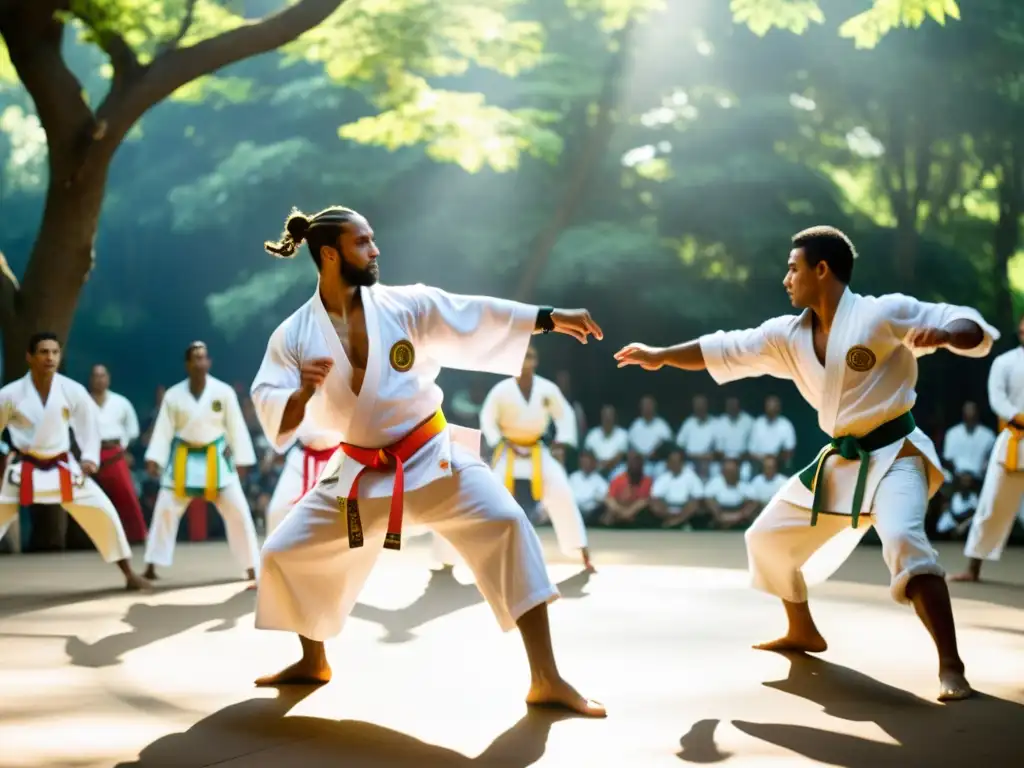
(354, 276)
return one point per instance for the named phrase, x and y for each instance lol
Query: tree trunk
(596, 140)
(58, 266)
(1006, 238)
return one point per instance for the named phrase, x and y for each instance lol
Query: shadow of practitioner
(443, 595)
(983, 730)
(257, 733)
(698, 746)
(150, 623)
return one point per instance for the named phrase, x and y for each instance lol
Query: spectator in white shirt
(772, 434)
(609, 443)
(967, 445)
(765, 485)
(728, 498)
(649, 435)
(588, 487)
(955, 520)
(676, 493)
(698, 434)
(732, 439)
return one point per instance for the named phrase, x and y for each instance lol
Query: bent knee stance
(908, 553)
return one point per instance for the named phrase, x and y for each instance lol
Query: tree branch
(183, 28)
(34, 35)
(175, 68)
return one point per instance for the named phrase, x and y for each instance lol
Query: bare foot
(966, 576)
(303, 672)
(150, 573)
(251, 586)
(136, 583)
(811, 643)
(953, 686)
(560, 694)
(588, 564)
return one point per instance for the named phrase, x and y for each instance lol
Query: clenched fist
(313, 373)
(924, 338)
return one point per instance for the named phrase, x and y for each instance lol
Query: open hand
(648, 358)
(153, 469)
(313, 373)
(576, 323)
(924, 338)
(89, 468)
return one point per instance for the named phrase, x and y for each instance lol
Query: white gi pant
(311, 579)
(999, 504)
(234, 511)
(91, 509)
(557, 499)
(781, 540)
(289, 487)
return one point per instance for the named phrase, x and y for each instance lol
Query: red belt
(313, 463)
(381, 460)
(29, 464)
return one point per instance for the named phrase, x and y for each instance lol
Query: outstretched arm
(687, 356)
(479, 333)
(726, 355)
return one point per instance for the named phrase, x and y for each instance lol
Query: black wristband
(544, 321)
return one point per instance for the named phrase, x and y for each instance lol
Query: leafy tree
(391, 50)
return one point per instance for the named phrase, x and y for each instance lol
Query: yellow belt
(536, 459)
(181, 454)
(1016, 434)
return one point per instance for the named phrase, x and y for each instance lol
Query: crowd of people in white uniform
(713, 471)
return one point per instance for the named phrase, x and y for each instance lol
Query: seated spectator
(650, 436)
(732, 437)
(772, 434)
(698, 434)
(727, 498)
(966, 446)
(629, 493)
(676, 493)
(588, 487)
(955, 520)
(608, 442)
(767, 484)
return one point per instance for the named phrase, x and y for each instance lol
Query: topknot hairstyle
(316, 231)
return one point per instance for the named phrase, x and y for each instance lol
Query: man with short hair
(37, 410)
(854, 359)
(199, 440)
(118, 427)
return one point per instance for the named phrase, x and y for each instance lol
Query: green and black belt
(853, 449)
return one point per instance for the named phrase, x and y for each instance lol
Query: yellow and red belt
(30, 463)
(393, 457)
(536, 452)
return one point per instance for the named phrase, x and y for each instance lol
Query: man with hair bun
(854, 359)
(362, 359)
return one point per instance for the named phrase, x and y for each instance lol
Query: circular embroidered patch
(860, 359)
(402, 356)
(217, 406)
